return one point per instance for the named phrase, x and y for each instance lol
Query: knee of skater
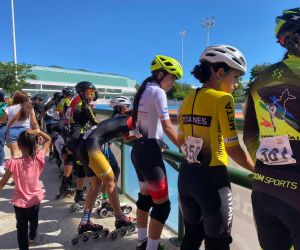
(161, 211)
(110, 184)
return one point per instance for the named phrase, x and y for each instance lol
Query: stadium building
(53, 79)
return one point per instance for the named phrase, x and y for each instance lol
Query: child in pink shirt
(28, 192)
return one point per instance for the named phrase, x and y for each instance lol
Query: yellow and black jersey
(272, 108)
(209, 114)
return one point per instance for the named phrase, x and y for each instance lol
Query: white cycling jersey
(153, 108)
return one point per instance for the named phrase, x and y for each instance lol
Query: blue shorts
(13, 133)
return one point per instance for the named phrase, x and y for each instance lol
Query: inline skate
(79, 202)
(106, 209)
(142, 245)
(89, 230)
(66, 190)
(124, 227)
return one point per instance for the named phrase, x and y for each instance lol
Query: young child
(28, 192)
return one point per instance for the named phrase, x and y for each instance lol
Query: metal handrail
(238, 177)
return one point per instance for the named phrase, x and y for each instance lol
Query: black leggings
(206, 205)
(23, 216)
(277, 223)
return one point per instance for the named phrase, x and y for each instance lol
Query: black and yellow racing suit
(272, 136)
(91, 144)
(203, 182)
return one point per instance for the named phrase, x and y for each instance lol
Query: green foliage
(179, 91)
(14, 77)
(239, 93)
(255, 71)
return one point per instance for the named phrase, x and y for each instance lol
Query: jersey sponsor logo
(231, 139)
(275, 182)
(230, 116)
(200, 120)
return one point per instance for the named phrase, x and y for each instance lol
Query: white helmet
(226, 54)
(119, 101)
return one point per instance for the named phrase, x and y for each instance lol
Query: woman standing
(3, 119)
(151, 117)
(21, 117)
(207, 133)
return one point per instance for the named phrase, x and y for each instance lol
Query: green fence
(238, 177)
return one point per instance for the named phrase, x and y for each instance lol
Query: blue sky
(122, 36)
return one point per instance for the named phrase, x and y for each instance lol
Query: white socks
(142, 233)
(152, 244)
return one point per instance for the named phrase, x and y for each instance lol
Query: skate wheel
(97, 203)
(74, 241)
(131, 229)
(96, 236)
(123, 232)
(103, 213)
(128, 209)
(85, 238)
(105, 232)
(98, 211)
(113, 235)
(73, 208)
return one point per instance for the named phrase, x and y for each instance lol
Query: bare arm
(180, 141)
(3, 119)
(240, 157)
(170, 131)
(47, 138)
(34, 122)
(5, 179)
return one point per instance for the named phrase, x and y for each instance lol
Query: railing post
(123, 169)
(180, 226)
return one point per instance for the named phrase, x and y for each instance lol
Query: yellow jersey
(209, 114)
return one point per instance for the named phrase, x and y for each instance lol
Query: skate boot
(123, 227)
(89, 230)
(66, 189)
(79, 201)
(142, 245)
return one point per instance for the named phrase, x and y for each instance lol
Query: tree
(14, 77)
(179, 91)
(239, 93)
(255, 71)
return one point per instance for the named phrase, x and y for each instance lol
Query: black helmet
(82, 86)
(36, 97)
(57, 96)
(68, 91)
(287, 30)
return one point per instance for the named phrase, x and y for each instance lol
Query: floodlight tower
(208, 23)
(182, 34)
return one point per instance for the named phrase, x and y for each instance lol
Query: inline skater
(99, 170)
(50, 118)
(272, 136)
(151, 118)
(81, 117)
(120, 106)
(207, 134)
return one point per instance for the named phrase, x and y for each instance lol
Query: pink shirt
(26, 174)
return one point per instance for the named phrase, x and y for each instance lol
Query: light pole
(182, 34)
(208, 23)
(13, 31)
